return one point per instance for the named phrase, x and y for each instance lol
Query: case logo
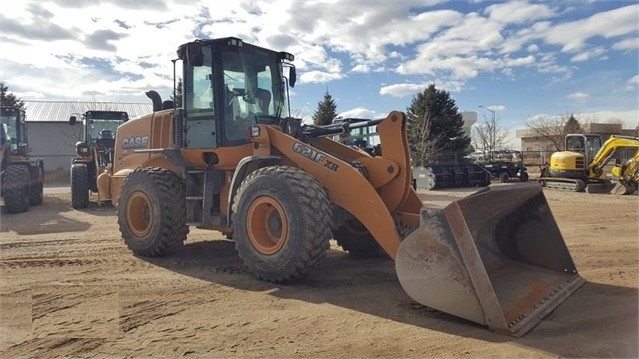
(135, 142)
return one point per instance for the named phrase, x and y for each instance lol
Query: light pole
(486, 108)
(491, 131)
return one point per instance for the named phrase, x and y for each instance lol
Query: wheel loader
(94, 153)
(581, 166)
(231, 159)
(22, 177)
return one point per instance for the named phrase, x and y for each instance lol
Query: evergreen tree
(9, 99)
(177, 96)
(434, 126)
(326, 111)
(572, 126)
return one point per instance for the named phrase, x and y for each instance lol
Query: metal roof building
(60, 111)
(53, 139)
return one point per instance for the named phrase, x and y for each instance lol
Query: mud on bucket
(496, 258)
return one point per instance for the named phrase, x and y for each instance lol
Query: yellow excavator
(230, 158)
(626, 173)
(582, 165)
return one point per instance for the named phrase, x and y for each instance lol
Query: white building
(470, 117)
(53, 139)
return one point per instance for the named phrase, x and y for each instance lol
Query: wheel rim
(266, 225)
(139, 214)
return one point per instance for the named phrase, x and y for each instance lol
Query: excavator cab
(587, 145)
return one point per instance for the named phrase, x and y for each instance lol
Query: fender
(244, 168)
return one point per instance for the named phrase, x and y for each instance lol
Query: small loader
(94, 153)
(230, 158)
(22, 176)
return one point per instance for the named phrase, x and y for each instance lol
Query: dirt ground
(70, 288)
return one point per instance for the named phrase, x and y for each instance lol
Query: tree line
(434, 125)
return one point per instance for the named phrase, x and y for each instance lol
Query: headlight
(255, 131)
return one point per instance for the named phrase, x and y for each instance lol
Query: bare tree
(549, 129)
(554, 129)
(488, 136)
(424, 143)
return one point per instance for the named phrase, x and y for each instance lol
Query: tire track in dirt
(53, 348)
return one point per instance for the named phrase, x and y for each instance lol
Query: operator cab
(587, 145)
(14, 130)
(99, 129)
(228, 86)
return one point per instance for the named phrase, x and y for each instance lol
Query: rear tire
(36, 193)
(16, 191)
(281, 223)
(79, 186)
(354, 238)
(152, 212)
(504, 177)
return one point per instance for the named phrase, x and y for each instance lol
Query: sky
(521, 59)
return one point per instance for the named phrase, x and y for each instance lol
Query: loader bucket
(496, 258)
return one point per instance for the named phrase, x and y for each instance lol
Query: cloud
(319, 77)
(159, 5)
(99, 40)
(36, 29)
(572, 36)
(401, 90)
(519, 12)
(596, 53)
(630, 43)
(579, 96)
(634, 80)
(361, 112)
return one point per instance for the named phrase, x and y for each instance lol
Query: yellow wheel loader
(94, 153)
(581, 166)
(230, 159)
(22, 176)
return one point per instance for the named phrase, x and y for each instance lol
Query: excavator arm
(627, 175)
(608, 149)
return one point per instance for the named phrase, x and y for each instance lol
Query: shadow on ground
(370, 286)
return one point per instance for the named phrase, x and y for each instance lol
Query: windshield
(253, 86)
(13, 130)
(102, 126)
(9, 120)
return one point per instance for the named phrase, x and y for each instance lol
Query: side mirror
(72, 120)
(293, 76)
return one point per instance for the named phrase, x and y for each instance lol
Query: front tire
(79, 186)
(152, 212)
(16, 193)
(281, 223)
